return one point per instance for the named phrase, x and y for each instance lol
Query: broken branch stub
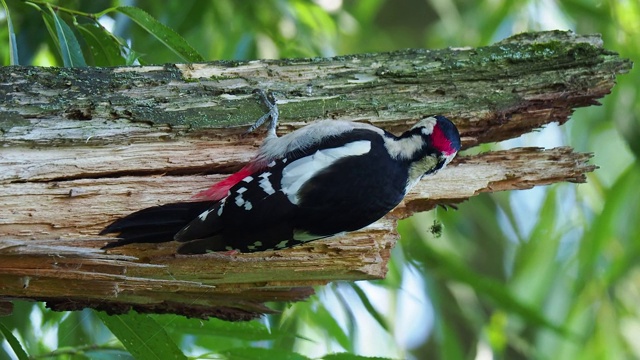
(81, 147)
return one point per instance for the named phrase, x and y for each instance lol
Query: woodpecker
(327, 178)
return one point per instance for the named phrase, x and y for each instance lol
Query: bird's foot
(273, 114)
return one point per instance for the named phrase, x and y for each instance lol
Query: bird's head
(441, 136)
(429, 146)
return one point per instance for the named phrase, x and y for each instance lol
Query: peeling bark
(81, 147)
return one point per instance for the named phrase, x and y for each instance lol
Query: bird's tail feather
(155, 224)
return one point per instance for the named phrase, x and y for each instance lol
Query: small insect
(436, 229)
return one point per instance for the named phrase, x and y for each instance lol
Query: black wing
(155, 224)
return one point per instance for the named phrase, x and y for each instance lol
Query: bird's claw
(270, 101)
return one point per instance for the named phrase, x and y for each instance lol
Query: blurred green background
(547, 273)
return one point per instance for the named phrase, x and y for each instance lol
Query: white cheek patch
(298, 172)
(403, 148)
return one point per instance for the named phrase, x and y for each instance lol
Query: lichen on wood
(81, 147)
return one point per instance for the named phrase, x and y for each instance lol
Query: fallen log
(81, 147)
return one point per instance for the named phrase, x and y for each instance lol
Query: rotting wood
(84, 146)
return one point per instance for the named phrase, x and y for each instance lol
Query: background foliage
(548, 273)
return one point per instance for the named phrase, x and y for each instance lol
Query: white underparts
(298, 172)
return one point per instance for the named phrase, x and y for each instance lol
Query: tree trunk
(84, 146)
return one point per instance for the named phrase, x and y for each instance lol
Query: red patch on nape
(220, 189)
(440, 141)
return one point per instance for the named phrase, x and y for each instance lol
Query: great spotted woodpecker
(324, 179)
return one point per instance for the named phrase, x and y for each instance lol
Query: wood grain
(81, 147)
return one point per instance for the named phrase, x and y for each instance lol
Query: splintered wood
(74, 157)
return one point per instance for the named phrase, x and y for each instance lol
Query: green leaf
(13, 48)
(328, 323)
(49, 24)
(250, 330)
(14, 343)
(142, 336)
(370, 308)
(451, 331)
(536, 265)
(104, 354)
(104, 47)
(164, 34)
(69, 46)
(451, 268)
(450, 342)
(69, 333)
(348, 356)
(615, 227)
(261, 354)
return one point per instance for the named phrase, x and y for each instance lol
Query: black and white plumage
(326, 178)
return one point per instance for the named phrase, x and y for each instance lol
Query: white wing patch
(265, 184)
(308, 136)
(205, 214)
(221, 207)
(296, 174)
(239, 199)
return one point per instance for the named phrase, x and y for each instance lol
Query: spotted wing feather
(262, 211)
(254, 216)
